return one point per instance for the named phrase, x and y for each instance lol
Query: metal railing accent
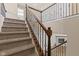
(59, 50)
(3, 10)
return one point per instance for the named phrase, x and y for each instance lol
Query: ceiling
(39, 6)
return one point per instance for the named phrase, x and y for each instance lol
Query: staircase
(15, 39)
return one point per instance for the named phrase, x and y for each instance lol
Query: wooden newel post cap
(49, 32)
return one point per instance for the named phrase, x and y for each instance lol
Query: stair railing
(40, 34)
(3, 10)
(59, 50)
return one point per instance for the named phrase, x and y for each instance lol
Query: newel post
(49, 33)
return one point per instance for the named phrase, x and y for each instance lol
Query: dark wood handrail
(41, 24)
(44, 28)
(48, 7)
(35, 41)
(59, 45)
(34, 9)
(42, 10)
(47, 31)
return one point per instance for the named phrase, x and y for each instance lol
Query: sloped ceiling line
(40, 6)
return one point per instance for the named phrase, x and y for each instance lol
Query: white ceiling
(39, 6)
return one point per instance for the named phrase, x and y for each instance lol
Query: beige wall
(36, 13)
(11, 10)
(69, 26)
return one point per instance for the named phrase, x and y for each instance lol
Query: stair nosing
(13, 27)
(14, 22)
(15, 50)
(15, 32)
(15, 19)
(14, 40)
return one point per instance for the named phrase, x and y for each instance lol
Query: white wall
(11, 10)
(36, 13)
(22, 6)
(69, 26)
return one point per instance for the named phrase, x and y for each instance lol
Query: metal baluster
(38, 33)
(65, 49)
(76, 8)
(56, 51)
(42, 40)
(60, 50)
(40, 36)
(69, 9)
(72, 8)
(63, 10)
(45, 44)
(66, 10)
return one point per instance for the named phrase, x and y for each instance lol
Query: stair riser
(14, 24)
(6, 29)
(10, 36)
(14, 44)
(13, 20)
(27, 52)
